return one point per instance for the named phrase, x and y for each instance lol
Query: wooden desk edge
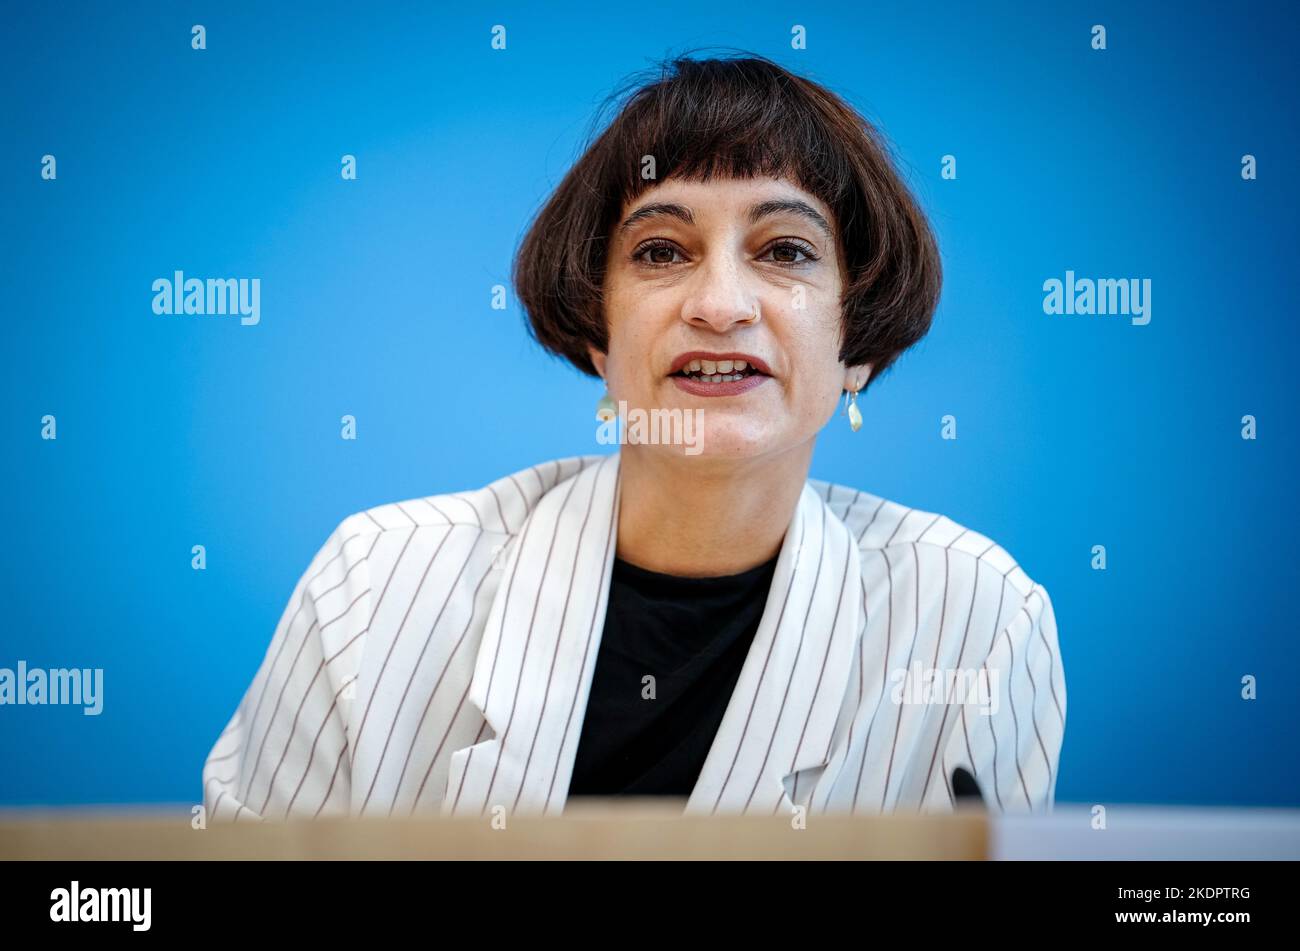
(647, 831)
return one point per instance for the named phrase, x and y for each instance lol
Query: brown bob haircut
(738, 117)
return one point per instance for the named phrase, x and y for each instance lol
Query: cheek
(629, 358)
(820, 398)
(636, 340)
(816, 337)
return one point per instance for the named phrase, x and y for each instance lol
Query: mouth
(718, 368)
(701, 373)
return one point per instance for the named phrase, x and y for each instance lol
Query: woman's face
(689, 266)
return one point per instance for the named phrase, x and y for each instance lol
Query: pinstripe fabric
(437, 654)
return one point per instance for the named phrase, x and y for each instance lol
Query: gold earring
(605, 408)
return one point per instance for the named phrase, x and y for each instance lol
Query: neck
(696, 517)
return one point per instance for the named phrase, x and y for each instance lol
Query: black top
(643, 738)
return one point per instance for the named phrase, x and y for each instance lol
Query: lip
(730, 388)
(685, 358)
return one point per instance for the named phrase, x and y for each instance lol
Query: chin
(726, 445)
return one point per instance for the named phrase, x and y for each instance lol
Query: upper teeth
(710, 367)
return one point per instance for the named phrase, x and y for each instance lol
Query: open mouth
(717, 371)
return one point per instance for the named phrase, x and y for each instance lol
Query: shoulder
(408, 526)
(887, 531)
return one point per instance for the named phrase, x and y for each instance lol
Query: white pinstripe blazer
(437, 655)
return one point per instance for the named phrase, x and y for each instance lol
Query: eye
(655, 248)
(660, 252)
(790, 246)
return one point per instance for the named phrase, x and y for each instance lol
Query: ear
(597, 360)
(856, 377)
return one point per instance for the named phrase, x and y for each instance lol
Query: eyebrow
(757, 213)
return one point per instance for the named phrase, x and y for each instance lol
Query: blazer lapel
(782, 715)
(538, 652)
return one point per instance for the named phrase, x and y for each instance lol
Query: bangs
(717, 119)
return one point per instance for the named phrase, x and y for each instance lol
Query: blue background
(1073, 431)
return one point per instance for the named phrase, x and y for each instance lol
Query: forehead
(750, 198)
(725, 189)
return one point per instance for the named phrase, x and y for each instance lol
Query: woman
(695, 620)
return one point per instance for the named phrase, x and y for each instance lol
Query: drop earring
(605, 409)
(855, 414)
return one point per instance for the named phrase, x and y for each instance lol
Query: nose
(720, 299)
